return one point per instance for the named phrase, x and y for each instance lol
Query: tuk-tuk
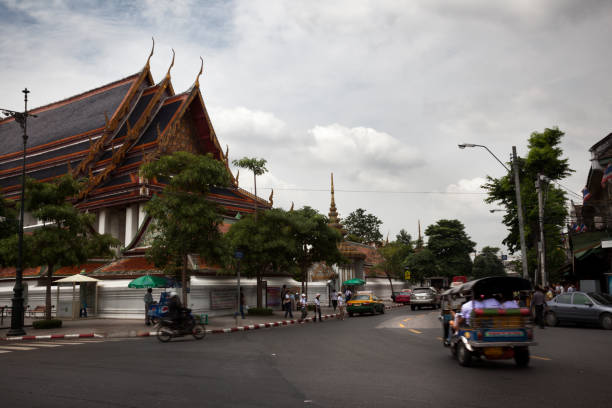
(492, 333)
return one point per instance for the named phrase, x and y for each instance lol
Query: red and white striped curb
(53, 337)
(209, 331)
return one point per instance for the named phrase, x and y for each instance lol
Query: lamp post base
(15, 332)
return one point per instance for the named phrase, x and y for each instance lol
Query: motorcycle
(168, 328)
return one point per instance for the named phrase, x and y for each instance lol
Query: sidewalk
(107, 328)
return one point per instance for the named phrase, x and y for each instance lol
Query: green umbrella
(148, 281)
(353, 282)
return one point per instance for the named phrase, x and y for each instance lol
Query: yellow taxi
(365, 302)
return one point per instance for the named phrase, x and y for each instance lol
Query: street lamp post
(17, 310)
(519, 205)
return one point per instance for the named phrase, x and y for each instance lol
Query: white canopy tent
(74, 279)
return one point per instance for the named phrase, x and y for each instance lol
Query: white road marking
(15, 348)
(4, 351)
(43, 345)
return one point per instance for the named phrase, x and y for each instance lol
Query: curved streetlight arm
(464, 145)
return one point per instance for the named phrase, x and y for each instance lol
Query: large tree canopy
(363, 227)
(267, 244)
(67, 237)
(421, 264)
(487, 263)
(451, 247)
(314, 240)
(185, 221)
(544, 157)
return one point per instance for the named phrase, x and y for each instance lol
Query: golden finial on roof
(291, 209)
(226, 152)
(151, 54)
(387, 241)
(171, 65)
(237, 176)
(270, 199)
(197, 81)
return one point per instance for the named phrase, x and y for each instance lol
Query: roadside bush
(260, 311)
(47, 324)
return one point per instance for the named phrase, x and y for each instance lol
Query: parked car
(365, 303)
(421, 297)
(580, 307)
(403, 296)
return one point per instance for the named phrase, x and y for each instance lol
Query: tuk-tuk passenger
(509, 303)
(491, 303)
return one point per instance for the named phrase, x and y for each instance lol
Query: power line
(375, 191)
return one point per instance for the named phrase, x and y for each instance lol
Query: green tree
(544, 157)
(404, 237)
(257, 166)
(185, 220)
(363, 227)
(9, 225)
(487, 263)
(67, 237)
(421, 264)
(314, 240)
(267, 243)
(394, 256)
(451, 246)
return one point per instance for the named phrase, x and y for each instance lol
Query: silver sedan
(580, 307)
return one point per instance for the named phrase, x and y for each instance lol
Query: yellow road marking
(401, 325)
(405, 320)
(439, 338)
(541, 358)
(415, 331)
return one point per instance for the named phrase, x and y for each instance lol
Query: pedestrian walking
(292, 297)
(317, 308)
(282, 296)
(340, 306)
(303, 306)
(348, 294)
(148, 301)
(539, 302)
(287, 306)
(334, 299)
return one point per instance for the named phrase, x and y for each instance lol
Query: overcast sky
(378, 92)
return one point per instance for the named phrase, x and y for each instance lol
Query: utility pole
(542, 247)
(519, 208)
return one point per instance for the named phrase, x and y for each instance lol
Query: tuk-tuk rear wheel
(521, 356)
(464, 355)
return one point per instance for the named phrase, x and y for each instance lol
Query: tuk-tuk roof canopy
(490, 285)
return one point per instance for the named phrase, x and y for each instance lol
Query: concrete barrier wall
(116, 300)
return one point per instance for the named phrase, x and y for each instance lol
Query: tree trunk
(48, 293)
(255, 189)
(184, 280)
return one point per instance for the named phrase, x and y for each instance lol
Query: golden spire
(270, 199)
(237, 176)
(334, 222)
(291, 209)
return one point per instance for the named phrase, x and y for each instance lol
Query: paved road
(390, 360)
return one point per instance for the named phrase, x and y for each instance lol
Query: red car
(403, 296)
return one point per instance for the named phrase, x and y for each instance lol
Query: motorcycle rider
(175, 309)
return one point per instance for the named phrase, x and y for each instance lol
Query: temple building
(105, 135)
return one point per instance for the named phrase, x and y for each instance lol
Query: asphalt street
(390, 360)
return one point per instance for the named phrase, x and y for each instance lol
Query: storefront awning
(588, 243)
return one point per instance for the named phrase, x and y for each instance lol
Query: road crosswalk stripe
(4, 351)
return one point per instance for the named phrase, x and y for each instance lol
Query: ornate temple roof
(107, 133)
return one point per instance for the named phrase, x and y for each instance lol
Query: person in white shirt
(491, 303)
(317, 308)
(303, 306)
(334, 299)
(340, 306)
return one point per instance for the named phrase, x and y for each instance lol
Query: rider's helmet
(173, 293)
